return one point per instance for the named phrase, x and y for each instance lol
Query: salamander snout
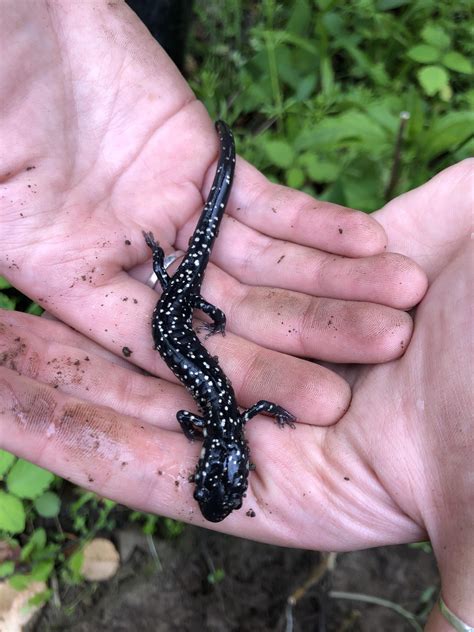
(221, 480)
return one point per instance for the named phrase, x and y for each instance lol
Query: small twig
(55, 589)
(411, 618)
(265, 125)
(326, 564)
(154, 553)
(392, 183)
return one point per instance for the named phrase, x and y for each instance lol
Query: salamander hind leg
(217, 315)
(191, 425)
(158, 259)
(282, 416)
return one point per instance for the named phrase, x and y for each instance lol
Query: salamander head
(221, 478)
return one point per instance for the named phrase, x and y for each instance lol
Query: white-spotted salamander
(222, 471)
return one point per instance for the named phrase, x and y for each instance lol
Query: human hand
(396, 468)
(116, 144)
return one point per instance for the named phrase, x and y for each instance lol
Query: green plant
(26, 496)
(318, 88)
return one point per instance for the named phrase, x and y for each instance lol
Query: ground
(170, 591)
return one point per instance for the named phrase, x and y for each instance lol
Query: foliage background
(317, 89)
(354, 102)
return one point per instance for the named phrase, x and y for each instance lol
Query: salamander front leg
(191, 425)
(282, 416)
(158, 259)
(217, 315)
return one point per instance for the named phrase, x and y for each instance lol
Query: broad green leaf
(42, 570)
(295, 177)
(433, 79)
(319, 170)
(48, 505)
(280, 153)
(4, 284)
(74, 564)
(40, 598)
(20, 581)
(436, 36)
(300, 18)
(337, 131)
(306, 87)
(447, 133)
(6, 461)
(362, 193)
(424, 54)
(12, 513)
(27, 480)
(457, 62)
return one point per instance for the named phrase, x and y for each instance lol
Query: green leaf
(48, 505)
(35, 309)
(388, 5)
(27, 480)
(436, 36)
(6, 461)
(280, 153)
(6, 302)
(42, 570)
(433, 79)
(300, 19)
(306, 87)
(319, 170)
(12, 514)
(423, 53)
(295, 177)
(20, 582)
(74, 564)
(457, 62)
(217, 576)
(36, 543)
(4, 284)
(447, 133)
(7, 568)
(40, 598)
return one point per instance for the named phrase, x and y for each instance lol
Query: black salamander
(221, 476)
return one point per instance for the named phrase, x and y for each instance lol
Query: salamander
(222, 471)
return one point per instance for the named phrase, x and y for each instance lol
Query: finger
(316, 395)
(324, 329)
(301, 325)
(286, 214)
(119, 457)
(429, 222)
(386, 278)
(145, 467)
(67, 361)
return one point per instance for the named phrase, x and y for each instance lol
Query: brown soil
(171, 591)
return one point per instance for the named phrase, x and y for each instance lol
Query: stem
(336, 594)
(272, 63)
(392, 183)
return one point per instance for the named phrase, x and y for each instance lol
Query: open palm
(107, 140)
